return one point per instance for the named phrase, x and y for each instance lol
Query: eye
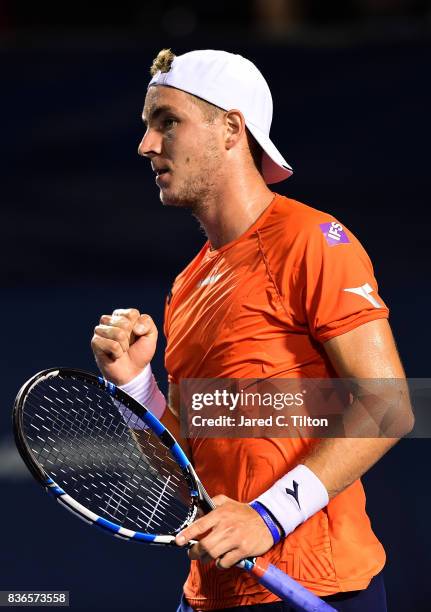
(169, 122)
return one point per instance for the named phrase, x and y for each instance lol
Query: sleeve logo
(334, 233)
(365, 291)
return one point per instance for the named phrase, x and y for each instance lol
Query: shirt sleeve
(340, 291)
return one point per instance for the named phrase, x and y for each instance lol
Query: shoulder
(297, 212)
(294, 225)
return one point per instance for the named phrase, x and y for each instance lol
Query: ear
(234, 128)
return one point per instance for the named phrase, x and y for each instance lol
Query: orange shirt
(259, 307)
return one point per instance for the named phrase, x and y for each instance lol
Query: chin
(170, 198)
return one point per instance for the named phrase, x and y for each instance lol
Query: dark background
(83, 230)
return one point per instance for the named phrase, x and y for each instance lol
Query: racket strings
(118, 494)
(79, 436)
(75, 438)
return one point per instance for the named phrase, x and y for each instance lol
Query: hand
(231, 532)
(123, 344)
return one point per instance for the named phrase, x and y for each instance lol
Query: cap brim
(274, 167)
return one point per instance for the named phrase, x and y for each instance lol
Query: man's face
(185, 150)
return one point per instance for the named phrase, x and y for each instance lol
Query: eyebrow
(156, 111)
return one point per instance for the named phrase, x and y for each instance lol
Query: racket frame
(198, 495)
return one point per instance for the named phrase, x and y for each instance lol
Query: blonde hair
(162, 62)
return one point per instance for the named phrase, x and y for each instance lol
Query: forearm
(338, 462)
(378, 417)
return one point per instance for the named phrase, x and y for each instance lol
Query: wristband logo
(294, 493)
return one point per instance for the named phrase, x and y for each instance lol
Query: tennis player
(280, 289)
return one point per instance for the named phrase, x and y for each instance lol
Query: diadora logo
(365, 291)
(208, 280)
(334, 233)
(294, 493)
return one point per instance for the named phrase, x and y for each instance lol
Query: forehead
(162, 96)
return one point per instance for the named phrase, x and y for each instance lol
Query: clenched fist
(123, 344)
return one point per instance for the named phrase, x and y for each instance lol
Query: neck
(230, 212)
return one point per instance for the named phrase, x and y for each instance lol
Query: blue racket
(106, 458)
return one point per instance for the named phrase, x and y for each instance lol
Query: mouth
(161, 172)
(161, 175)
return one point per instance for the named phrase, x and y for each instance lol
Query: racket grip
(284, 586)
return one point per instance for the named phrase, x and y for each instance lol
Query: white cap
(230, 82)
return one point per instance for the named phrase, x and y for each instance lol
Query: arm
(366, 352)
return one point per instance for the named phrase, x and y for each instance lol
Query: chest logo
(209, 280)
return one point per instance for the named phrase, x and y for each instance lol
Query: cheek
(191, 151)
(186, 160)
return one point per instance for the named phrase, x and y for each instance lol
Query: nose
(150, 145)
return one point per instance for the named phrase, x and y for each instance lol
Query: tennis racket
(107, 459)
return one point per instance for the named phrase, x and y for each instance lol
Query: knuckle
(231, 531)
(220, 500)
(121, 335)
(126, 324)
(118, 312)
(97, 341)
(116, 350)
(129, 314)
(120, 322)
(145, 318)
(243, 545)
(223, 514)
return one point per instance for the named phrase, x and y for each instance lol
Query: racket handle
(284, 586)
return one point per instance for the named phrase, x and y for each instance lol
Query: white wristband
(143, 388)
(294, 498)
